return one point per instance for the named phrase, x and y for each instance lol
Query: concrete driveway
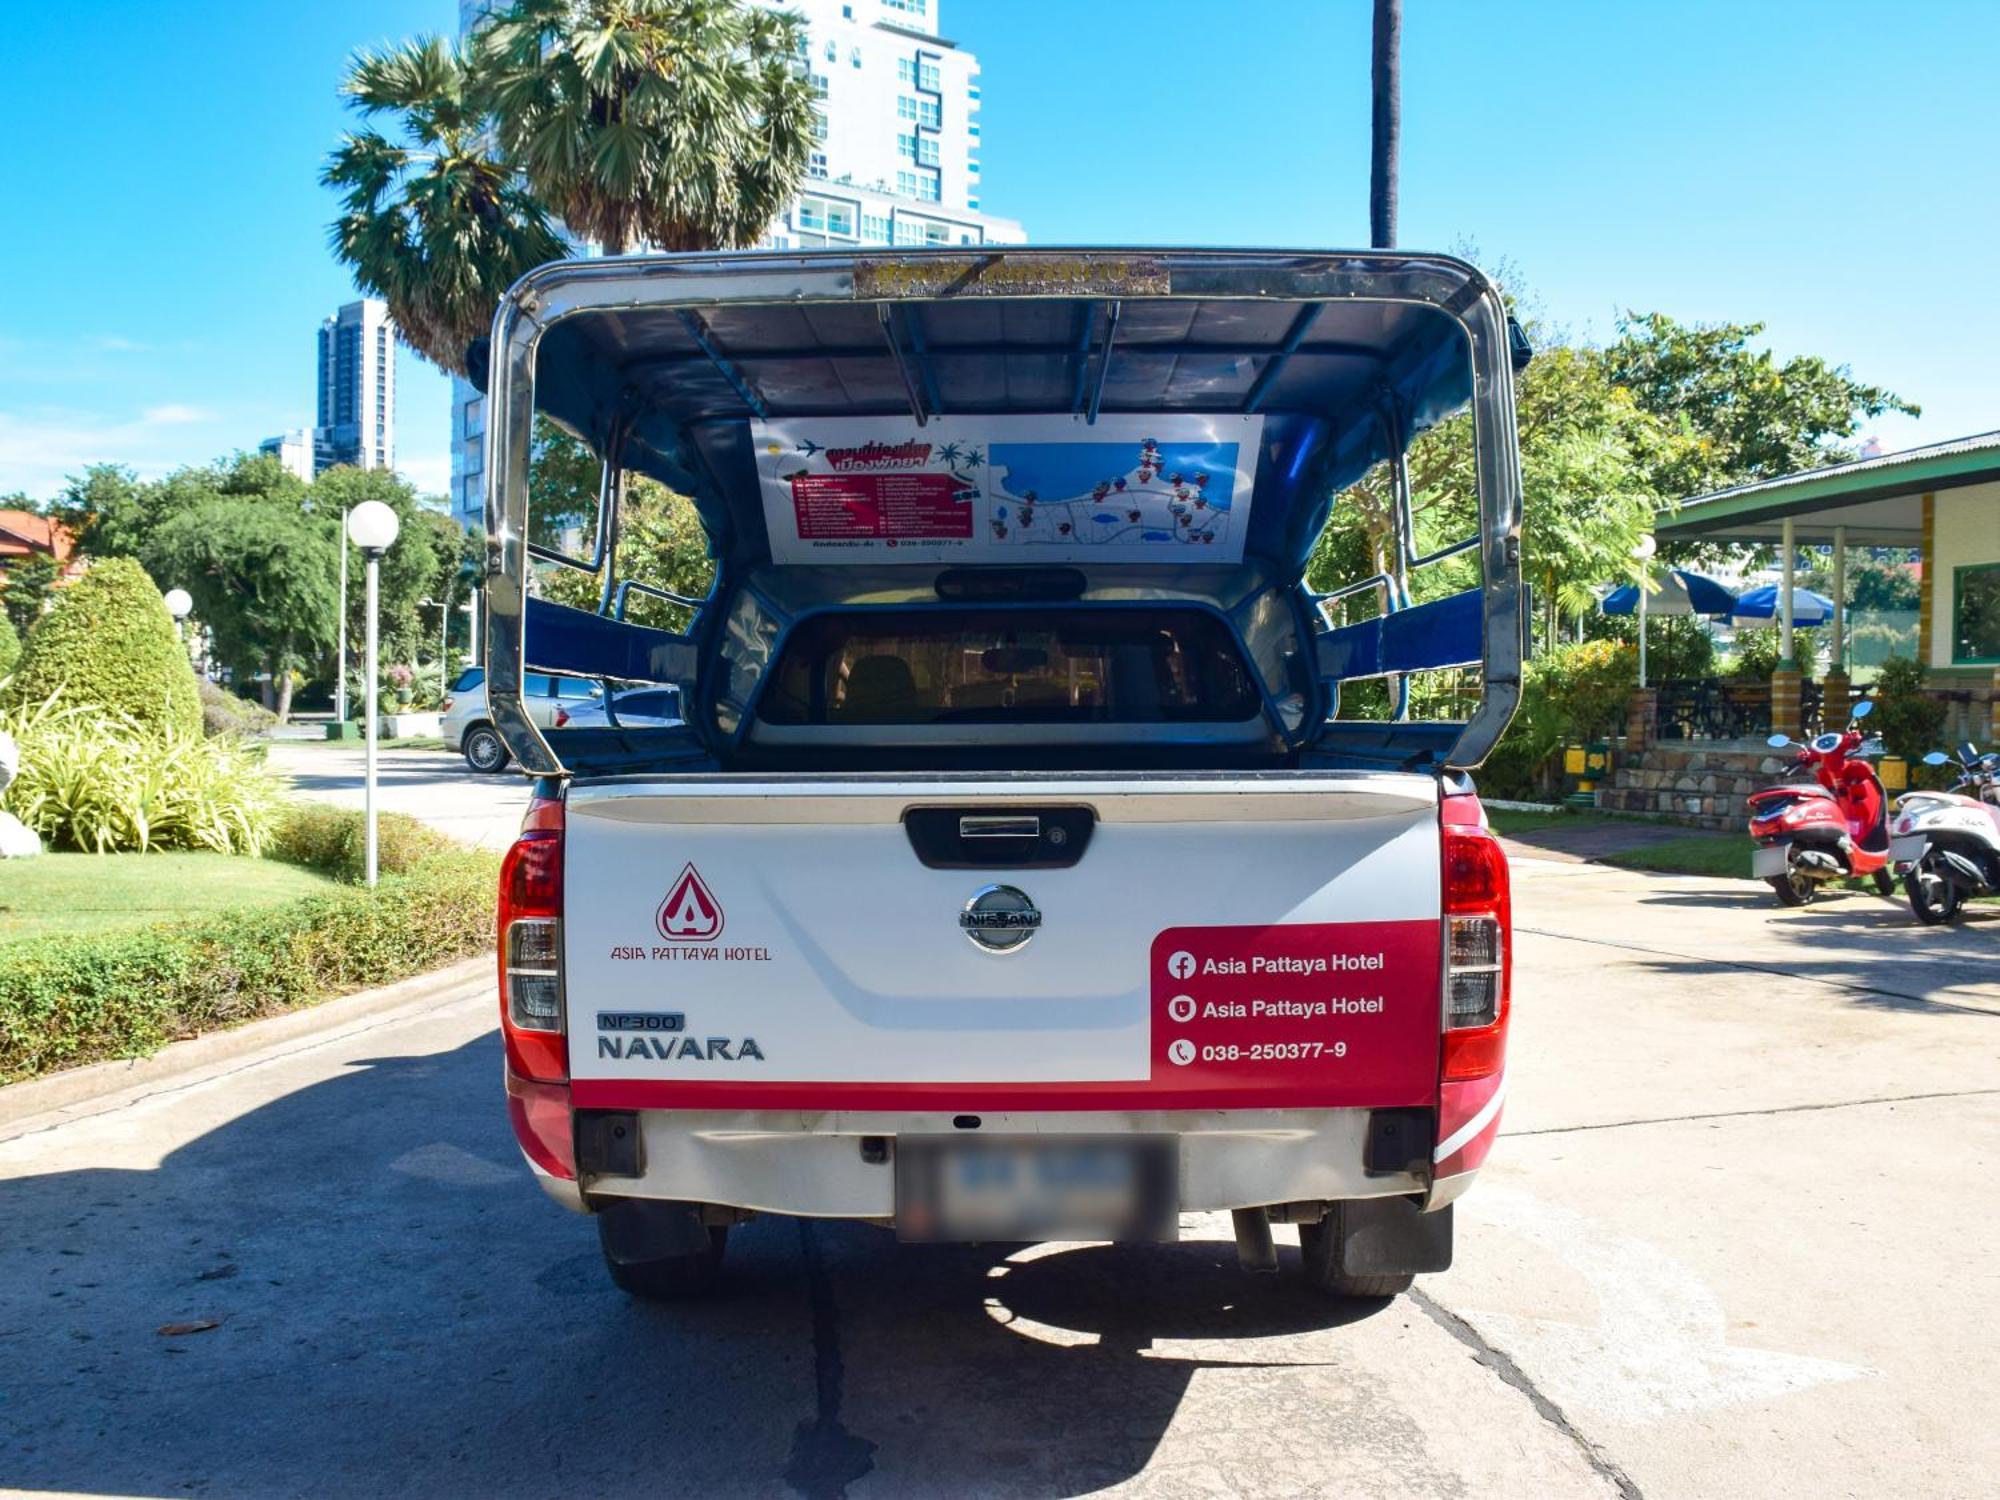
(1736, 1242)
(434, 785)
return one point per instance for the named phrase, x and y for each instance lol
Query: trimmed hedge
(223, 713)
(334, 841)
(108, 642)
(70, 1000)
(10, 646)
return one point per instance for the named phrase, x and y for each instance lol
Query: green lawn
(1508, 820)
(96, 893)
(1697, 854)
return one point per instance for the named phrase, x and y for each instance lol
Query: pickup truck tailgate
(1255, 942)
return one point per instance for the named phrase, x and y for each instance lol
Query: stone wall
(1703, 786)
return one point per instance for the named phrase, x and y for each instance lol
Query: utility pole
(1386, 137)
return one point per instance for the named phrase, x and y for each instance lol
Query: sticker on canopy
(1341, 1012)
(1017, 489)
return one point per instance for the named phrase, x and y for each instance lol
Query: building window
(906, 184)
(906, 107)
(928, 77)
(812, 213)
(927, 150)
(908, 7)
(906, 70)
(972, 168)
(909, 231)
(875, 228)
(846, 12)
(1975, 614)
(931, 112)
(816, 165)
(832, 52)
(972, 203)
(906, 145)
(854, 56)
(927, 189)
(972, 92)
(819, 84)
(973, 131)
(819, 126)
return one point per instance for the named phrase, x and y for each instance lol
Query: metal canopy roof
(1878, 500)
(1285, 336)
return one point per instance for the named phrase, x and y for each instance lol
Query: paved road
(430, 784)
(1738, 1241)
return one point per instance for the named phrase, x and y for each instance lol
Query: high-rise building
(896, 160)
(357, 388)
(295, 451)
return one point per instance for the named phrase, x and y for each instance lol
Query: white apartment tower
(357, 388)
(896, 160)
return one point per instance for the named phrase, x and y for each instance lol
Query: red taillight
(562, 717)
(447, 705)
(531, 991)
(1478, 959)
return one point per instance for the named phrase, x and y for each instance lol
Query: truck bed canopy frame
(661, 363)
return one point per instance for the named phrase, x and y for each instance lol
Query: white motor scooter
(1949, 842)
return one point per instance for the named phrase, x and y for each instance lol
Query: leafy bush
(1911, 725)
(1757, 652)
(222, 712)
(101, 781)
(10, 646)
(109, 643)
(1572, 692)
(333, 840)
(87, 998)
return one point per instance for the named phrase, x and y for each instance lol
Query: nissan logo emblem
(1000, 919)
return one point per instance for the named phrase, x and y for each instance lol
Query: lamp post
(1642, 553)
(179, 604)
(371, 526)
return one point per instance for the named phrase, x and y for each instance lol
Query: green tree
(1742, 413)
(108, 642)
(682, 124)
(434, 222)
(409, 568)
(24, 591)
(262, 579)
(1585, 447)
(10, 646)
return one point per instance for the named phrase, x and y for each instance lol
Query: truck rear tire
(669, 1277)
(1319, 1257)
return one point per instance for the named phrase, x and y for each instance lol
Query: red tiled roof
(23, 534)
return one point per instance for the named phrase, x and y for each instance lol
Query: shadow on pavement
(398, 1309)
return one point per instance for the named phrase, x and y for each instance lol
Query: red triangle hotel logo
(690, 914)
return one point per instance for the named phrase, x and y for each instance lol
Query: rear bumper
(830, 1165)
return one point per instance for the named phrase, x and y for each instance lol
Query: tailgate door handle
(1000, 826)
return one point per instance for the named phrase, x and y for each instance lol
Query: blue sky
(1832, 169)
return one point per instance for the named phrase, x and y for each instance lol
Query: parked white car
(468, 728)
(638, 708)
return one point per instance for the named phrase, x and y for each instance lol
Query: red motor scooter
(1835, 827)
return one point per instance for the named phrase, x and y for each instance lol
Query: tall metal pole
(1642, 633)
(1386, 135)
(340, 668)
(369, 694)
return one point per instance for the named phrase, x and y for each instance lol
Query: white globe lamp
(372, 526)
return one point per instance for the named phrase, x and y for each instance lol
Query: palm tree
(1386, 137)
(682, 124)
(437, 225)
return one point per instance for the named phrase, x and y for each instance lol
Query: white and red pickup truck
(1013, 875)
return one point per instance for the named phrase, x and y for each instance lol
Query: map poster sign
(1007, 489)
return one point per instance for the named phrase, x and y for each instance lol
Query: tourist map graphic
(997, 489)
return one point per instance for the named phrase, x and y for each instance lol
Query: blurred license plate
(1767, 860)
(1039, 1188)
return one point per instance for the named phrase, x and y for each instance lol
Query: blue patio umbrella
(1680, 593)
(1761, 605)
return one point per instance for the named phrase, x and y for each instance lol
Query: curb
(94, 1082)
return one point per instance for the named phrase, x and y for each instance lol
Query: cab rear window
(1010, 666)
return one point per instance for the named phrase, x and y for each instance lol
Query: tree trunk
(282, 674)
(1386, 138)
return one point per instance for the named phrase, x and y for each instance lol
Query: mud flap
(637, 1230)
(1393, 1237)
